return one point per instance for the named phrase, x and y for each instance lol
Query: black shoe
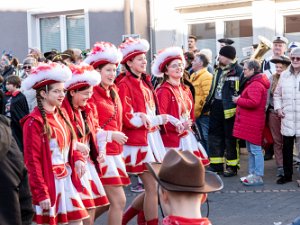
(211, 169)
(283, 180)
(230, 172)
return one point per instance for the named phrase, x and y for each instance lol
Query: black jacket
(15, 197)
(18, 109)
(231, 87)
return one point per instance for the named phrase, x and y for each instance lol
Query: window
(238, 28)
(206, 35)
(58, 30)
(50, 34)
(241, 32)
(292, 27)
(75, 32)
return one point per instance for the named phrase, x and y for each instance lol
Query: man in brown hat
(181, 195)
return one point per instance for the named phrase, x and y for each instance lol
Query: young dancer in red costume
(176, 99)
(105, 57)
(140, 124)
(81, 113)
(49, 152)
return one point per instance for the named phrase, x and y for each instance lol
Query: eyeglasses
(26, 67)
(295, 58)
(175, 66)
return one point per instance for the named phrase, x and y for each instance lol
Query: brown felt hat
(182, 171)
(227, 41)
(282, 59)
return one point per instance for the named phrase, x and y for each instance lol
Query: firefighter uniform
(223, 147)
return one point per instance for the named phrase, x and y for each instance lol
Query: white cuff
(174, 121)
(136, 120)
(156, 120)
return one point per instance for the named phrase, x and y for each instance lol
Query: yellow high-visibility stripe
(237, 85)
(216, 160)
(235, 162)
(228, 113)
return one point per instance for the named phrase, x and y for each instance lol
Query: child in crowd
(15, 107)
(181, 195)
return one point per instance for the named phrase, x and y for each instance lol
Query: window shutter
(50, 33)
(75, 32)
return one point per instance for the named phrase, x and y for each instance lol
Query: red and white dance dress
(50, 165)
(143, 145)
(92, 194)
(110, 119)
(177, 220)
(178, 102)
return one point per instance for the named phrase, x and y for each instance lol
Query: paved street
(236, 204)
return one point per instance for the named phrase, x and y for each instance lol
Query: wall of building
(105, 21)
(14, 38)
(106, 26)
(168, 26)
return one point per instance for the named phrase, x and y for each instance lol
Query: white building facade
(239, 20)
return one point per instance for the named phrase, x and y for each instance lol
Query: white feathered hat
(83, 75)
(45, 74)
(133, 47)
(103, 53)
(164, 57)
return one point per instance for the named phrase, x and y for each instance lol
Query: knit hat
(133, 47)
(228, 52)
(103, 53)
(83, 75)
(164, 57)
(45, 74)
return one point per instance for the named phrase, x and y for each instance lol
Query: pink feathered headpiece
(45, 74)
(133, 47)
(103, 53)
(83, 75)
(164, 57)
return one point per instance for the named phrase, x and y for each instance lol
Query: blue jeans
(203, 124)
(255, 159)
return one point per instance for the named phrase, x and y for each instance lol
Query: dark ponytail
(83, 114)
(39, 98)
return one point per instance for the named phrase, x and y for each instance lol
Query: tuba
(263, 47)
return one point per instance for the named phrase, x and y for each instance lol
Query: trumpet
(263, 47)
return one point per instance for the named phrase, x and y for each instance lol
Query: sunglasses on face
(26, 67)
(295, 58)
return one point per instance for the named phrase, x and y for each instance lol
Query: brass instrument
(263, 47)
